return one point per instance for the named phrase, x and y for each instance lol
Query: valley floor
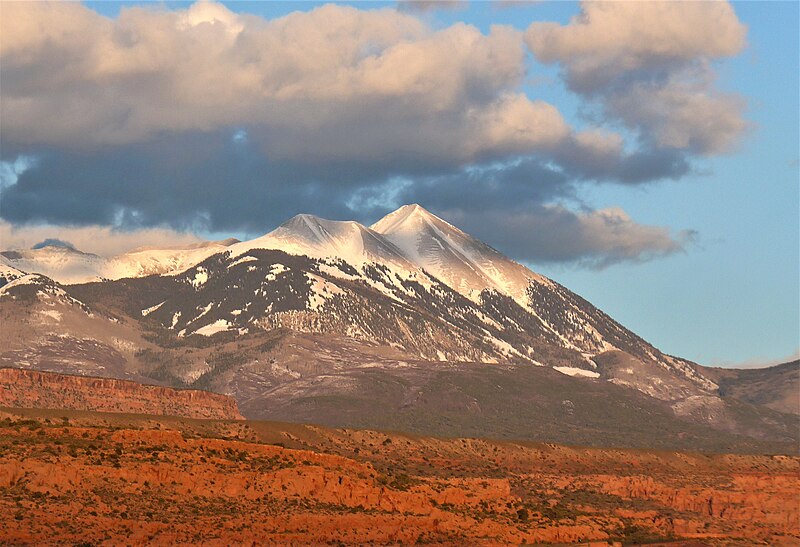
(76, 477)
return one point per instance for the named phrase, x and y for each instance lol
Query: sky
(645, 155)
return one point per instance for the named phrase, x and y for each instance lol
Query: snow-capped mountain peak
(409, 215)
(456, 258)
(316, 237)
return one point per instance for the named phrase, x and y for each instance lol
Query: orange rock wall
(22, 388)
(105, 485)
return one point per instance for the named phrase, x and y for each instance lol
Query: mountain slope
(46, 326)
(67, 265)
(320, 238)
(225, 297)
(457, 259)
(9, 274)
(776, 387)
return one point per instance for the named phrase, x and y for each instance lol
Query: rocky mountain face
(45, 327)
(774, 387)
(407, 311)
(35, 389)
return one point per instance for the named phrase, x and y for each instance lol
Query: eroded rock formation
(23, 388)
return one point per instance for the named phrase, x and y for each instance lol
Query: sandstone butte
(74, 477)
(35, 389)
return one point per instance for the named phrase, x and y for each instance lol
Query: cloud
(334, 82)
(682, 115)
(54, 242)
(430, 5)
(190, 182)
(100, 240)
(230, 189)
(648, 64)
(202, 119)
(329, 85)
(609, 41)
(555, 234)
(598, 155)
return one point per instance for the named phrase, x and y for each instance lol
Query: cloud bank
(205, 119)
(648, 64)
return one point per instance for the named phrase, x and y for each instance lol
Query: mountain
(319, 238)
(457, 259)
(64, 263)
(30, 289)
(415, 282)
(322, 320)
(68, 265)
(46, 327)
(776, 387)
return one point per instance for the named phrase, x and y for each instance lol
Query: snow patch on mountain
(321, 291)
(241, 260)
(219, 325)
(200, 277)
(574, 371)
(151, 309)
(52, 314)
(274, 271)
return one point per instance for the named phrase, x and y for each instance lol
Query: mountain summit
(317, 237)
(464, 263)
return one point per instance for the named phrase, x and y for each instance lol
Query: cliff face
(34, 389)
(104, 479)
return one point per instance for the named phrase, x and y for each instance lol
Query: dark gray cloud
(213, 182)
(523, 181)
(599, 157)
(54, 242)
(430, 5)
(554, 234)
(195, 182)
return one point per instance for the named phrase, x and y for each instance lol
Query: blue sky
(734, 296)
(707, 266)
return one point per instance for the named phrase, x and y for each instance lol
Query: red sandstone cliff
(35, 389)
(133, 480)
